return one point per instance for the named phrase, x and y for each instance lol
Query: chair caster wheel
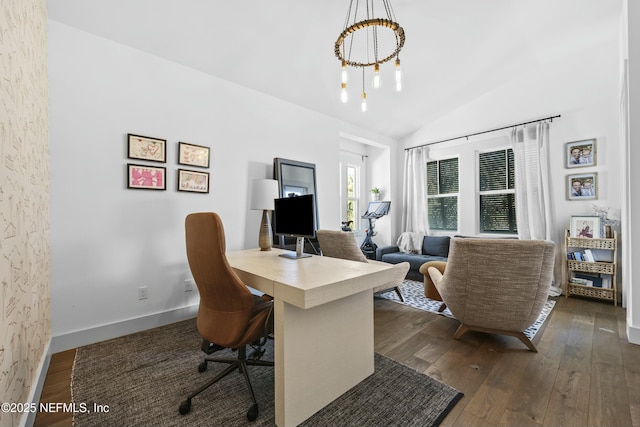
(252, 413)
(185, 407)
(202, 367)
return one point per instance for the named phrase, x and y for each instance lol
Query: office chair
(229, 316)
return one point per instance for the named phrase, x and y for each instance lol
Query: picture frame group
(151, 177)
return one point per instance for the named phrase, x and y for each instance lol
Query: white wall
(631, 51)
(583, 88)
(106, 241)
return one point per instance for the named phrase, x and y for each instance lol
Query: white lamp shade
(263, 192)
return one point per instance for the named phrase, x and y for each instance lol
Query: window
(442, 194)
(352, 196)
(497, 192)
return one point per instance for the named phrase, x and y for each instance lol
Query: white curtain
(414, 199)
(534, 213)
(533, 202)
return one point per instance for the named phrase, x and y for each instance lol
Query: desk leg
(320, 353)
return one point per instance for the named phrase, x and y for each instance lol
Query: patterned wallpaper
(25, 313)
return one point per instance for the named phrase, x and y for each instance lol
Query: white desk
(323, 325)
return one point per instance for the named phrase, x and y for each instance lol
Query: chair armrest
(430, 290)
(385, 250)
(435, 275)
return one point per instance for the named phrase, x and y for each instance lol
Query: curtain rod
(480, 133)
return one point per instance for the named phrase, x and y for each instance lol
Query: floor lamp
(263, 192)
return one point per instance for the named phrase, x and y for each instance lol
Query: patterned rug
(413, 293)
(143, 378)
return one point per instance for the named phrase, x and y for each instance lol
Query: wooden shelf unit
(597, 267)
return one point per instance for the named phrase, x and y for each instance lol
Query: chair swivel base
(240, 363)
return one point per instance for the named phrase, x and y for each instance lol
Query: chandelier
(368, 41)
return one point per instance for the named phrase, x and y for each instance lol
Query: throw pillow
(436, 245)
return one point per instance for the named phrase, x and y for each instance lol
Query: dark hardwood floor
(584, 374)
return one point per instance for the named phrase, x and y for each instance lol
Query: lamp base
(265, 238)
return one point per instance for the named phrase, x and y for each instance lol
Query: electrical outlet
(188, 285)
(143, 292)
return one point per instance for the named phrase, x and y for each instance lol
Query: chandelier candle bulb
(343, 74)
(363, 106)
(398, 76)
(344, 96)
(376, 76)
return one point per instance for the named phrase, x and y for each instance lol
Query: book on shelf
(581, 282)
(594, 280)
(588, 256)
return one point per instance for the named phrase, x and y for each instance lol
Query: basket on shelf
(581, 242)
(591, 267)
(590, 291)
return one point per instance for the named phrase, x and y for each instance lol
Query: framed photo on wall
(585, 227)
(145, 177)
(582, 186)
(193, 155)
(145, 148)
(581, 153)
(193, 181)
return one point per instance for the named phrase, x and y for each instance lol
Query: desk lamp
(263, 192)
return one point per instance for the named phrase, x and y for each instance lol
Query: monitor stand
(299, 250)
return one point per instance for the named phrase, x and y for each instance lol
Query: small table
(323, 325)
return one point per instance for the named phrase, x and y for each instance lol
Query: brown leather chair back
(226, 304)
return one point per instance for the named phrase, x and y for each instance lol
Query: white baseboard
(28, 418)
(633, 334)
(113, 330)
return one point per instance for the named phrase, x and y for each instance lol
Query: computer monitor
(295, 217)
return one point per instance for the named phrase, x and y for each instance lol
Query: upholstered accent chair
(496, 285)
(229, 315)
(430, 290)
(343, 244)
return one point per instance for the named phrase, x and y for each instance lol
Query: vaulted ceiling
(455, 51)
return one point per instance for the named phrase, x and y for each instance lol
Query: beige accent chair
(496, 285)
(430, 290)
(342, 244)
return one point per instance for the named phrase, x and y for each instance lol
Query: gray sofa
(434, 248)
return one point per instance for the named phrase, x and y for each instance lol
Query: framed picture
(193, 155)
(581, 153)
(145, 148)
(193, 181)
(585, 226)
(582, 186)
(144, 177)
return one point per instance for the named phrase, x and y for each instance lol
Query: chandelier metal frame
(376, 22)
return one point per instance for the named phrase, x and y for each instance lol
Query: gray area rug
(144, 377)
(413, 293)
